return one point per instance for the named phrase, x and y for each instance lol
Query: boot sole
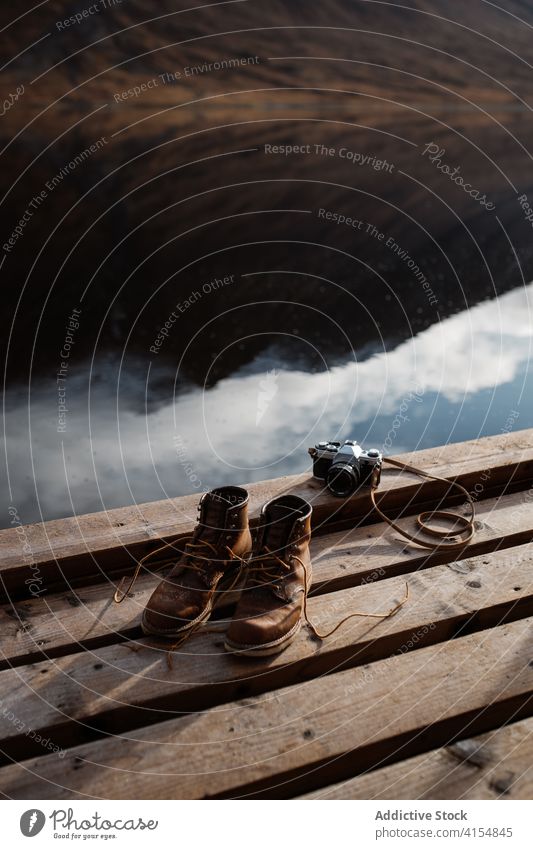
(265, 649)
(229, 598)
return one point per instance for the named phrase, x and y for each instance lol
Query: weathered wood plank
(373, 552)
(60, 624)
(279, 745)
(128, 685)
(495, 765)
(103, 543)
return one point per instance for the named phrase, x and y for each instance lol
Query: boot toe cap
(169, 613)
(262, 631)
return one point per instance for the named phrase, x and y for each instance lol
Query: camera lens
(342, 479)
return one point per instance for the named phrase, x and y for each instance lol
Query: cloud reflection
(219, 436)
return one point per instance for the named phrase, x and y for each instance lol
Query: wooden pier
(433, 703)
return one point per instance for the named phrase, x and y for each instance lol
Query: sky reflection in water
(470, 372)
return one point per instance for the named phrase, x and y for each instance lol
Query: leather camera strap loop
(463, 526)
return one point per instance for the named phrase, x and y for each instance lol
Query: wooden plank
(279, 745)
(127, 685)
(374, 552)
(496, 765)
(61, 624)
(103, 543)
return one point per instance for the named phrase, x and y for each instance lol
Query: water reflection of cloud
(472, 351)
(222, 438)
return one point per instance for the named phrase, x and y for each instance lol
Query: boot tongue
(279, 522)
(213, 515)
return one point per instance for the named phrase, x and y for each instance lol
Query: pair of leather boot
(272, 574)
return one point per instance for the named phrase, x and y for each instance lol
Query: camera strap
(462, 527)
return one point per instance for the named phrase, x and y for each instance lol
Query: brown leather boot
(211, 564)
(269, 612)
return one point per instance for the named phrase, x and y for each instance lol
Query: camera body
(346, 466)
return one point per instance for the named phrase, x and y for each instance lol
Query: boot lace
(194, 551)
(268, 570)
(197, 553)
(262, 569)
(265, 568)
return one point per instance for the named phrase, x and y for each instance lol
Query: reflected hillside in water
(180, 190)
(158, 233)
(274, 221)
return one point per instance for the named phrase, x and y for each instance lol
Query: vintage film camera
(346, 466)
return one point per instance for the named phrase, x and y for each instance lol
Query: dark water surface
(192, 293)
